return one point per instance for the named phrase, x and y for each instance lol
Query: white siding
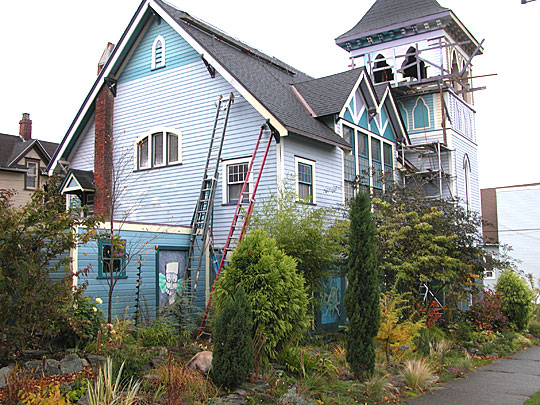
(83, 153)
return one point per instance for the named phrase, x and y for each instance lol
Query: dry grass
(184, 385)
(378, 385)
(418, 373)
(440, 348)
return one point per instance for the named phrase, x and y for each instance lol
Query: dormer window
(158, 53)
(158, 148)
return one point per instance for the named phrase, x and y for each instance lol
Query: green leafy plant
(106, 390)
(302, 231)
(274, 289)
(517, 298)
(160, 333)
(362, 293)
(487, 312)
(48, 396)
(232, 358)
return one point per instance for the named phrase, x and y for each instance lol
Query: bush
(274, 289)
(83, 321)
(160, 333)
(517, 298)
(486, 313)
(233, 349)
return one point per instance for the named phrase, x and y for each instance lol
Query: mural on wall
(331, 301)
(171, 268)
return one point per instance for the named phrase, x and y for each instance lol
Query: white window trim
(467, 181)
(165, 151)
(36, 176)
(163, 53)
(224, 178)
(493, 275)
(297, 160)
(421, 100)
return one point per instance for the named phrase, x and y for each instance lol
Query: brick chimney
(103, 151)
(25, 127)
(105, 56)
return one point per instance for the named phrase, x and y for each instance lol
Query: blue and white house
(139, 142)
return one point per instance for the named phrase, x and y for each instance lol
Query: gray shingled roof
(329, 94)
(84, 177)
(12, 146)
(385, 13)
(266, 78)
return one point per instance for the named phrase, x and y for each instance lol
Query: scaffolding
(428, 169)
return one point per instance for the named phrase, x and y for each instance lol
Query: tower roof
(385, 13)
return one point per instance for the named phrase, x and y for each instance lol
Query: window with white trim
(158, 53)
(158, 148)
(32, 175)
(467, 171)
(305, 180)
(236, 171)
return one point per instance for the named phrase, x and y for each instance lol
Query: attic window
(158, 53)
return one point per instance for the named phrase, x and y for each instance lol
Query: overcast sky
(50, 51)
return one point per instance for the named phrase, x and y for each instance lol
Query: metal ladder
(200, 223)
(230, 242)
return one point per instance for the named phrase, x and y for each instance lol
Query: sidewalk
(506, 381)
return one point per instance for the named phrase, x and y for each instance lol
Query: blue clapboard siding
(182, 97)
(328, 168)
(177, 53)
(137, 242)
(62, 271)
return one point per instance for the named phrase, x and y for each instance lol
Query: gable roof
(266, 78)
(83, 178)
(329, 94)
(385, 13)
(263, 80)
(13, 147)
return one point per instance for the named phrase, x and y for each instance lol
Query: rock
(34, 367)
(52, 367)
(202, 362)
(259, 386)
(230, 399)
(240, 392)
(71, 364)
(84, 362)
(291, 397)
(96, 361)
(35, 353)
(4, 372)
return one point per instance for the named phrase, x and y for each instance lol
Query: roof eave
(343, 145)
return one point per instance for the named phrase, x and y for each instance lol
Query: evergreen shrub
(233, 349)
(274, 289)
(517, 298)
(362, 294)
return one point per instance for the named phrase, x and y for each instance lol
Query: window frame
(225, 178)
(162, 63)
(105, 275)
(149, 137)
(306, 162)
(28, 162)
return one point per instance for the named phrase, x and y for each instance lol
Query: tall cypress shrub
(232, 358)
(362, 294)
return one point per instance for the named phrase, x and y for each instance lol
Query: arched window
(421, 119)
(158, 53)
(468, 81)
(157, 148)
(412, 67)
(382, 71)
(467, 172)
(455, 71)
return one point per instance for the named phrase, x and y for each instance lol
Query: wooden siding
(328, 168)
(462, 147)
(137, 242)
(182, 98)
(83, 155)
(518, 213)
(177, 53)
(462, 117)
(409, 104)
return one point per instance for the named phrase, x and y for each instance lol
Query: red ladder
(239, 205)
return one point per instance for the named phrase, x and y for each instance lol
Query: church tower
(424, 52)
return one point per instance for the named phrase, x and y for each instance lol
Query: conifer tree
(362, 294)
(233, 349)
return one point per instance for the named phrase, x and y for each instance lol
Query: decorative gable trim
(40, 150)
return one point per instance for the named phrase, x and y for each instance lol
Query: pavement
(511, 380)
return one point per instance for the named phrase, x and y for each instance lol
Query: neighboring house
(511, 218)
(140, 140)
(23, 162)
